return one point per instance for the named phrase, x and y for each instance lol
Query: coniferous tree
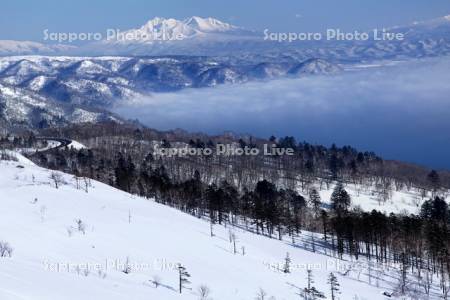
(334, 285)
(183, 277)
(324, 218)
(340, 199)
(287, 264)
(314, 200)
(434, 181)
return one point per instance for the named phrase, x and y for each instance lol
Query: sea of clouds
(399, 110)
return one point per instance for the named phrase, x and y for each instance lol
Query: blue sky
(26, 19)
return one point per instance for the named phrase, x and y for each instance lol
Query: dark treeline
(12, 142)
(309, 164)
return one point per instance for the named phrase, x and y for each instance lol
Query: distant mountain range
(44, 90)
(212, 37)
(10, 47)
(159, 36)
(39, 91)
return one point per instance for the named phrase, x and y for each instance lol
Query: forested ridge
(275, 196)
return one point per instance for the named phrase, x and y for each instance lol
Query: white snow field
(76, 145)
(53, 259)
(50, 145)
(366, 198)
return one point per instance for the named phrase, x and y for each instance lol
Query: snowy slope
(65, 89)
(39, 222)
(18, 157)
(76, 145)
(367, 199)
(26, 107)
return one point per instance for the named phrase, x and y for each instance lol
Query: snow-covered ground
(52, 144)
(17, 157)
(54, 260)
(76, 145)
(402, 201)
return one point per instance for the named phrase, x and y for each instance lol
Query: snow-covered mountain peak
(445, 20)
(160, 28)
(208, 24)
(159, 20)
(158, 24)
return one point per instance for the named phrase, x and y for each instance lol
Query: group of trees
(309, 164)
(310, 292)
(262, 193)
(21, 141)
(418, 243)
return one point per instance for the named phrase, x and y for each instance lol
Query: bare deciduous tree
(204, 291)
(261, 295)
(57, 179)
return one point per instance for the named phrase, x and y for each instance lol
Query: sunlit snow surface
(39, 222)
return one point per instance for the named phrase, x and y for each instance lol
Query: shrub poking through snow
(81, 226)
(204, 291)
(5, 249)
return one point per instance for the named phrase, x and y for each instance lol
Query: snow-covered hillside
(73, 243)
(368, 199)
(70, 89)
(23, 107)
